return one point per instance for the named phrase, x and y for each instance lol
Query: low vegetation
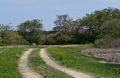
(72, 57)
(38, 65)
(8, 62)
(110, 55)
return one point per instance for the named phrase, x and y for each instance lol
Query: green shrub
(108, 42)
(110, 35)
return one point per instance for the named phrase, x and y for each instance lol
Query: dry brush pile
(110, 55)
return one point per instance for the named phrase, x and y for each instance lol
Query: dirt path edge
(25, 71)
(68, 71)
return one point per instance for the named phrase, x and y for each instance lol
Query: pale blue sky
(17, 11)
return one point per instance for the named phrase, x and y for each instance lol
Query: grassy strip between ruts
(73, 58)
(39, 66)
(8, 62)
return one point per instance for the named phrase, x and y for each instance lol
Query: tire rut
(23, 66)
(68, 71)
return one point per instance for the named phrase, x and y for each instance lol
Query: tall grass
(73, 58)
(110, 55)
(38, 65)
(8, 62)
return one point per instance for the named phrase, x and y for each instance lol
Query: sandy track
(70, 72)
(23, 67)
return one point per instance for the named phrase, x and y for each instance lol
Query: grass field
(73, 58)
(8, 62)
(38, 65)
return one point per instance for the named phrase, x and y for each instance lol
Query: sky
(18, 11)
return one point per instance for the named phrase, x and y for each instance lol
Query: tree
(63, 29)
(111, 28)
(14, 38)
(8, 36)
(69, 31)
(110, 34)
(95, 20)
(5, 30)
(49, 38)
(62, 23)
(31, 30)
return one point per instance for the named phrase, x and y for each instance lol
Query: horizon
(16, 12)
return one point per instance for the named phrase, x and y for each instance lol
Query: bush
(104, 42)
(110, 35)
(108, 42)
(110, 55)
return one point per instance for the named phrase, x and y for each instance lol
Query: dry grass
(110, 55)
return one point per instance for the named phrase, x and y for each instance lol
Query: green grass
(38, 65)
(8, 62)
(73, 58)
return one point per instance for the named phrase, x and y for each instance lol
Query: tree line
(100, 27)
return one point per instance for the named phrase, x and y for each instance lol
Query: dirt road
(68, 71)
(24, 69)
